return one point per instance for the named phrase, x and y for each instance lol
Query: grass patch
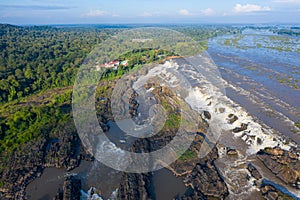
(187, 155)
(297, 124)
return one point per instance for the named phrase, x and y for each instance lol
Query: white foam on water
(205, 96)
(90, 195)
(209, 98)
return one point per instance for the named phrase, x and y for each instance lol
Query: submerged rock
(221, 110)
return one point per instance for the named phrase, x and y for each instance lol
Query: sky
(28, 12)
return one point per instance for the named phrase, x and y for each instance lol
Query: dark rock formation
(200, 175)
(71, 189)
(207, 115)
(206, 182)
(240, 129)
(64, 150)
(135, 186)
(284, 164)
(232, 152)
(221, 110)
(133, 104)
(22, 167)
(254, 172)
(271, 193)
(232, 118)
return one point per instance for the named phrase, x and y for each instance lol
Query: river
(261, 74)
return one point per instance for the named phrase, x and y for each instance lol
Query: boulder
(232, 118)
(254, 172)
(232, 152)
(207, 115)
(240, 129)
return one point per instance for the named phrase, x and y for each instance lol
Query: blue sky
(148, 11)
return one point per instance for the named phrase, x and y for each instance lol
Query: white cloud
(150, 14)
(95, 13)
(208, 12)
(146, 14)
(184, 12)
(248, 8)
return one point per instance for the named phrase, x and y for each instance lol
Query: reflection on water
(167, 185)
(263, 80)
(46, 186)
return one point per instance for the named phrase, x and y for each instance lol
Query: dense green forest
(38, 65)
(38, 58)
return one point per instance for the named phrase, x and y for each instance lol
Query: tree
(28, 73)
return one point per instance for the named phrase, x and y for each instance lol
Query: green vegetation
(297, 124)
(252, 68)
(32, 117)
(173, 118)
(173, 121)
(135, 59)
(202, 33)
(258, 45)
(32, 122)
(227, 42)
(38, 66)
(187, 155)
(289, 81)
(274, 42)
(33, 59)
(233, 41)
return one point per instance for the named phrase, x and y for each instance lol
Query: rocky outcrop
(135, 186)
(232, 118)
(231, 152)
(254, 172)
(64, 150)
(206, 182)
(271, 193)
(22, 167)
(71, 189)
(243, 127)
(284, 164)
(133, 104)
(201, 176)
(207, 115)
